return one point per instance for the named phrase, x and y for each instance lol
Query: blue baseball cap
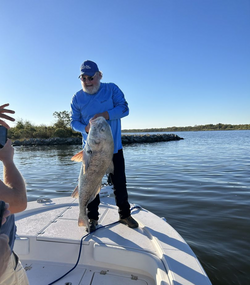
(89, 68)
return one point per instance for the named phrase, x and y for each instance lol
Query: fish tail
(83, 221)
(75, 193)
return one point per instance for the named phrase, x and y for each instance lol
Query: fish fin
(110, 168)
(75, 193)
(78, 157)
(83, 157)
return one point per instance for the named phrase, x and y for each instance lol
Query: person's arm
(12, 188)
(4, 253)
(76, 122)
(120, 109)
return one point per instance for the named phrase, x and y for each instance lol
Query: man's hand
(104, 114)
(87, 128)
(7, 152)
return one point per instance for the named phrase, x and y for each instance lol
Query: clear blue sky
(178, 62)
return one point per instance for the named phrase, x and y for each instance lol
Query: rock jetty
(149, 138)
(126, 139)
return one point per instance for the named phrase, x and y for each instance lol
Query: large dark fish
(96, 160)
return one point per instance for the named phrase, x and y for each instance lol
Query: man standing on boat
(13, 192)
(97, 99)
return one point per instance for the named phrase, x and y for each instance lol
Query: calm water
(201, 185)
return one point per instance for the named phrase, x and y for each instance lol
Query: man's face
(91, 84)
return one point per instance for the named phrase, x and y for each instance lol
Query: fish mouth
(91, 121)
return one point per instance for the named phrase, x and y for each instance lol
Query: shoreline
(126, 139)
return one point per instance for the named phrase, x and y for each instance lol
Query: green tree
(63, 119)
(62, 133)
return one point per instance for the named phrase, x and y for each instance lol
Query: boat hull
(50, 244)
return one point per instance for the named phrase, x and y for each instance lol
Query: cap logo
(86, 67)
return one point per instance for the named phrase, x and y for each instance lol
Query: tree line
(61, 128)
(209, 127)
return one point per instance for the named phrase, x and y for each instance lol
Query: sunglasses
(89, 78)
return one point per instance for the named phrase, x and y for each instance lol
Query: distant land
(209, 127)
(61, 129)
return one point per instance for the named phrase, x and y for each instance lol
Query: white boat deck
(49, 241)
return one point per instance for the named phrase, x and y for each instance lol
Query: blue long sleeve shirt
(108, 98)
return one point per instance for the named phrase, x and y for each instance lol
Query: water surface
(201, 185)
